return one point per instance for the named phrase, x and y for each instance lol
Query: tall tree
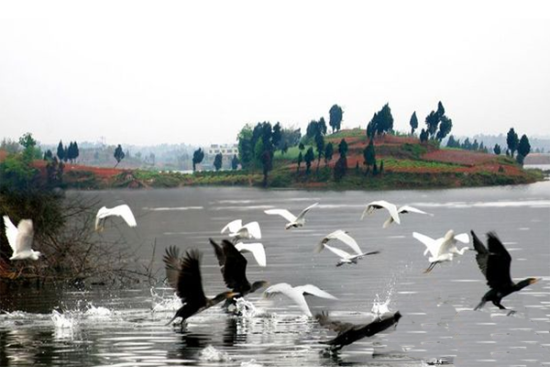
(524, 148)
(335, 119)
(440, 110)
(246, 147)
(385, 123)
(60, 151)
(343, 147)
(432, 123)
(198, 156)
(512, 141)
(308, 158)
(369, 155)
(300, 160)
(119, 154)
(413, 122)
(320, 144)
(444, 128)
(424, 135)
(276, 136)
(341, 167)
(329, 152)
(218, 159)
(322, 126)
(497, 149)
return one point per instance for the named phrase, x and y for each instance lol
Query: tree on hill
(322, 126)
(413, 123)
(524, 148)
(451, 142)
(60, 151)
(341, 166)
(320, 144)
(246, 149)
(440, 109)
(381, 122)
(119, 154)
(198, 156)
(48, 156)
(300, 160)
(497, 149)
(335, 119)
(30, 151)
(218, 159)
(424, 135)
(369, 155)
(343, 147)
(276, 136)
(444, 128)
(432, 123)
(308, 158)
(512, 141)
(329, 152)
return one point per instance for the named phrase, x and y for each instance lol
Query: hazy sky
(152, 72)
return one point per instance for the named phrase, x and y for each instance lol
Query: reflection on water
(113, 327)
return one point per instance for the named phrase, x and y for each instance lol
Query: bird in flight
(184, 275)
(392, 209)
(237, 231)
(442, 249)
(233, 267)
(494, 262)
(123, 211)
(20, 239)
(349, 333)
(296, 294)
(293, 221)
(344, 257)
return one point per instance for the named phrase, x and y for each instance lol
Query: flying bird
(382, 204)
(494, 263)
(442, 249)
(346, 258)
(20, 239)
(293, 221)
(297, 294)
(123, 211)
(404, 210)
(184, 275)
(233, 268)
(349, 333)
(340, 236)
(257, 249)
(237, 231)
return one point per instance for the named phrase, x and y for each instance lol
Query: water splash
(211, 354)
(160, 302)
(97, 312)
(247, 309)
(380, 308)
(251, 363)
(63, 321)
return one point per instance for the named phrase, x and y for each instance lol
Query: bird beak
(534, 280)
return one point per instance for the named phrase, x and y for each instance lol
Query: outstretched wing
(125, 212)
(498, 264)
(25, 235)
(283, 213)
(379, 204)
(431, 245)
(218, 251)
(340, 253)
(294, 294)
(482, 255)
(304, 212)
(233, 226)
(184, 275)
(410, 209)
(11, 232)
(311, 290)
(253, 229)
(234, 268)
(257, 250)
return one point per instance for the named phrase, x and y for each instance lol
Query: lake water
(127, 327)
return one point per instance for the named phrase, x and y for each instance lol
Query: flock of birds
(183, 272)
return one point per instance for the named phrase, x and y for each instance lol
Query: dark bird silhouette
(184, 275)
(233, 268)
(494, 263)
(349, 333)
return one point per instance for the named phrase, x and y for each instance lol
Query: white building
(225, 149)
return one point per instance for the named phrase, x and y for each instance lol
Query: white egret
(237, 231)
(442, 249)
(346, 258)
(293, 221)
(404, 210)
(257, 249)
(20, 239)
(382, 204)
(340, 236)
(123, 211)
(297, 293)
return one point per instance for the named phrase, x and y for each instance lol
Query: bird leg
(499, 305)
(480, 305)
(432, 265)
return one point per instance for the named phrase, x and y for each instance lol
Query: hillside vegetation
(403, 162)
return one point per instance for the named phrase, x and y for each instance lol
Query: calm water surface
(128, 327)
